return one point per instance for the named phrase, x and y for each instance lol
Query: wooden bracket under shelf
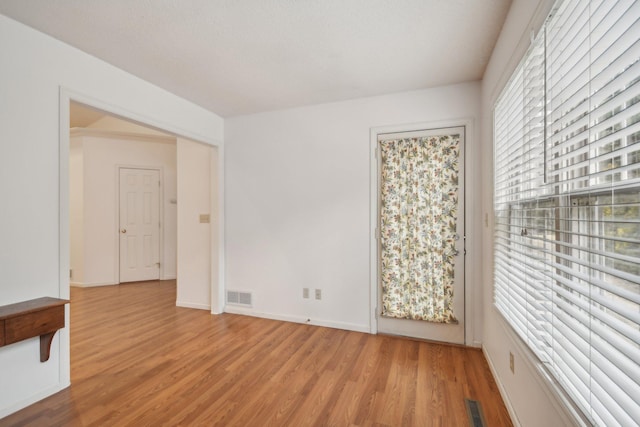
(37, 317)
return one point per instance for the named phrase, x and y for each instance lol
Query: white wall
(530, 400)
(34, 242)
(103, 152)
(76, 210)
(297, 202)
(194, 237)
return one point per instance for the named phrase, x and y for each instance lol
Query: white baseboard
(298, 319)
(94, 284)
(193, 305)
(91, 285)
(8, 410)
(169, 277)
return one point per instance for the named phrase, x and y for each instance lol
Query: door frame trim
(466, 122)
(160, 170)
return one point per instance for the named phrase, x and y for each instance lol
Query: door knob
(124, 230)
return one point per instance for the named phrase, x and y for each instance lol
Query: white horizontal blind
(567, 204)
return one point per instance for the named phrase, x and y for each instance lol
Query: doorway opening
(122, 200)
(214, 210)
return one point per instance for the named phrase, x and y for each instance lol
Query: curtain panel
(419, 192)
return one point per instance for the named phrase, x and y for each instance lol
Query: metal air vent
(239, 298)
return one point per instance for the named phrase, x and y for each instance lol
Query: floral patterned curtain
(418, 227)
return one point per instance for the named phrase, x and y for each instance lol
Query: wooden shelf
(38, 317)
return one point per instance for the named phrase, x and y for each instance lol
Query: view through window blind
(567, 204)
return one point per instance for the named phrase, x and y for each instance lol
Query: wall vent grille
(239, 298)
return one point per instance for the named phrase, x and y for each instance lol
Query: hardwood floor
(136, 359)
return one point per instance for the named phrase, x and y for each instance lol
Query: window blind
(567, 204)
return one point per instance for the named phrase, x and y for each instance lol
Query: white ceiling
(244, 56)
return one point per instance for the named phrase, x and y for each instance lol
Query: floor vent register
(474, 410)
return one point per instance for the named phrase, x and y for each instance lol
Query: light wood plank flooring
(136, 359)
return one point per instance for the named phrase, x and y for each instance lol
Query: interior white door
(139, 224)
(445, 332)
